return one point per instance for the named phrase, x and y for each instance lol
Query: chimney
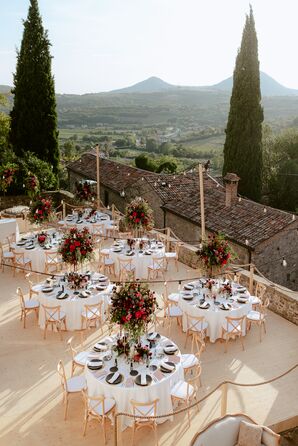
(231, 183)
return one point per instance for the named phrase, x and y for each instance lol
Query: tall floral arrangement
(84, 192)
(7, 175)
(41, 211)
(139, 215)
(32, 185)
(133, 306)
(76, 247)
(216, 252)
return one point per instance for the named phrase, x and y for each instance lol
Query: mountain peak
(151, 85)
(269, 86)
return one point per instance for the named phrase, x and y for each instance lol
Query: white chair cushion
(8, 255)
(90, 314)
(109, 262)
(180, 390)
(81, 357)
(174, 297)
(255, 300)
(96, 408)
(76, 384)
(31, 304)
(171, 255)
(189, 360)
(174, 311)
(255, 316)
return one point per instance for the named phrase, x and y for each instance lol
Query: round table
(72, 220)
(73, 305)
(214, 315)
(36, 253)
(140, 260)
(160, 388)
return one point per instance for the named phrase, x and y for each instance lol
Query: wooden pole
(251, 278)
(97, 177)
(224, 399)
(201, 182)
(63, 209)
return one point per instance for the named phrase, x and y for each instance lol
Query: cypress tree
(34, 116)
(243, 144)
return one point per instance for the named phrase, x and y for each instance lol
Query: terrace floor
(30, 393)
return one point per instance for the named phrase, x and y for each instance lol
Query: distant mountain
(269, 86)
(151, 85)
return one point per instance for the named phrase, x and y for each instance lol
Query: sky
(101, 45)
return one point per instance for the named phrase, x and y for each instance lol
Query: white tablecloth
(123, 395)
(141, 261)
(8, 226)
(37, 255)
(72, 306)
(215, 316)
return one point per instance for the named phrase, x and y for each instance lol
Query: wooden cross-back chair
(148, 409)
(233, 328)
(100, 409)
(54, 317)
(196, 327)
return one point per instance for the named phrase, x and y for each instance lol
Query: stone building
(258, 234)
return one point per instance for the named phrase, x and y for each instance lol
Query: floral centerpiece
(76, 247)
(76, 280)
(216, 252)
(226, 289)
(132, 308)
(122, 346)
(139, 215)
(42, 238)
(40, 211)
(84, 192)
(141, 352)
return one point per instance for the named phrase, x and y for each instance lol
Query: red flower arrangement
(141, 352)
(7, 176)
(84, 192)
(32, 185)
(216, 251)
(139, 215)
(76, 247)
(133, 306)
(41, 211)
(76, 280)
(42, 238)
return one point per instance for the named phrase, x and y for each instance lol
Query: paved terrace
(31, 397)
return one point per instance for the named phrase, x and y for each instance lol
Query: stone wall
(282, 301)
(268, 257)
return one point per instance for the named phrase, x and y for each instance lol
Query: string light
(155, 183)
(246, 242)
(284, 262)
(239, 199)
(293, 217)
(265, 210)
(142, 178)
(122, 193)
